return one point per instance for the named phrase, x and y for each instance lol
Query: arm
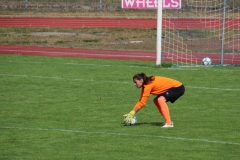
(143, 99)
(141, 103)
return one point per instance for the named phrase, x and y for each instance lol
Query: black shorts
(173, 93)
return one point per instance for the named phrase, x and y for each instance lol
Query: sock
(155, 101)
(164, 110)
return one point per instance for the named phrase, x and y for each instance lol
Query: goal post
(164, 4)
(223, 31)
(159, 35)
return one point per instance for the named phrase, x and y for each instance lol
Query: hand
(129, 118)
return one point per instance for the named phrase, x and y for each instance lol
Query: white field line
(225, 89)
(106, 65)
(79, 79)
(125, 134)
(74, 64)
(70, 63)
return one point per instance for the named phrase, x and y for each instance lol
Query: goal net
(202, 28)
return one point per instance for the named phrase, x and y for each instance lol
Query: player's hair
(143, 76)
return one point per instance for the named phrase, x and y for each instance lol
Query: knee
(162, 99)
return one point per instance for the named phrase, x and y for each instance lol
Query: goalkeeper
(165, 89)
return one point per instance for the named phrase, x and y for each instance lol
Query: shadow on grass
(148, 123)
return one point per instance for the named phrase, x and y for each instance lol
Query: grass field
(65, 108)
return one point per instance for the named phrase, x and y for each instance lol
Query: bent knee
(162, 98)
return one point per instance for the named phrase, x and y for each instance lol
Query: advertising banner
(150, 4)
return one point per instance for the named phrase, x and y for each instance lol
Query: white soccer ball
(132, 123)
(206, 61)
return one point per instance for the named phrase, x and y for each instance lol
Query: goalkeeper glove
(129, 118)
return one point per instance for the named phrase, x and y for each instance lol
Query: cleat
(165, 125)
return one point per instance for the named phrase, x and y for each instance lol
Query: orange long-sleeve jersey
(158, 86)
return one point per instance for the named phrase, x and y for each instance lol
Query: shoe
(165, 125)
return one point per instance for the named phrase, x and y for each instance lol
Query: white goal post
(159, 35)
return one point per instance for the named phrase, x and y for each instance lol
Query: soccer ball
(206, 61)
(132, 123)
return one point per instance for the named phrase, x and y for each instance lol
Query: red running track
(74, 52)
(105, 54)
(181, 23)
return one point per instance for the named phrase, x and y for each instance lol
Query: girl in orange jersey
(165, 89)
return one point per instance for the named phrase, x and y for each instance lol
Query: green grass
(71, 108)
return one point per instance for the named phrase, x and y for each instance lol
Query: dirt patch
(53, 34)
(59, 34)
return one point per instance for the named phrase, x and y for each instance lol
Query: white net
(174, 49)
(204, 29)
